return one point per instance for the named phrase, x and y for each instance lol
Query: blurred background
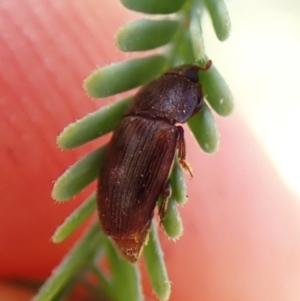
(260, 62)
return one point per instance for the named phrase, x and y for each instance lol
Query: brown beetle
(140, 154)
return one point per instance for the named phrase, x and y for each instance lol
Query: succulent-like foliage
(178, 32)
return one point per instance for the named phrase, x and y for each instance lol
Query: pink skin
(241, 238)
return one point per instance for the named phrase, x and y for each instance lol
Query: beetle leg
(181, 151)
(165, 200)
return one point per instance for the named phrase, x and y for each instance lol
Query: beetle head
(191, 72)
(188, 71)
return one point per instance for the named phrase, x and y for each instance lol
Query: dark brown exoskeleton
(140, 155)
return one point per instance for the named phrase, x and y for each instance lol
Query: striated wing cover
(136, 168)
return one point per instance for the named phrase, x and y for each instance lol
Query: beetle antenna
(207, 66)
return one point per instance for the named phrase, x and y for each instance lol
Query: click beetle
(140, 155)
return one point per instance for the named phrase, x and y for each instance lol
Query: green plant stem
(74, 261)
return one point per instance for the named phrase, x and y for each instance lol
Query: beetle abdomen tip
(131, 246)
